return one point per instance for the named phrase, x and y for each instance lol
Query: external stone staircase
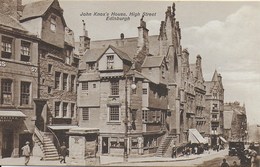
(164, 148)
(46, 145)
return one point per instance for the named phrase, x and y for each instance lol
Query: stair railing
(56, 138)
(38, 134)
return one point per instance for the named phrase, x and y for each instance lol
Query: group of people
(26, 152)
(188, 150)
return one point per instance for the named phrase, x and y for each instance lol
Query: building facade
(18, 85)
(55, 106)
(215, 108)
(142, 88)
(237, 120)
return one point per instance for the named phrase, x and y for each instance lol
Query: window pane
(65, 81)
(6, 91)
(114, 87)
(110, 62)
(57, 80)
(25, 93)
(72, 109)
(65, 109)
(84, 85)
(25, 51)
(57, 109)
(85, 113)
(114, 113)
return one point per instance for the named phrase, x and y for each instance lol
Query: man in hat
(26, 152)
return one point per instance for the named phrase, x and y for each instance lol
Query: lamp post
(133, 86)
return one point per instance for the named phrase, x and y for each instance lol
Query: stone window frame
(25, 93)
(6, 91)
(84, 85)
(114, 87)
(25, 51)
(114, 113)
(65, 109)
(7, 47)
(145, 115)
(85, 113)
(57, 79)
(65, 82)
(110, 61)
(72, 110)
(57, 108)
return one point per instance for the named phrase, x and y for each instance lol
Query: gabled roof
(39, 9)
(36, 9)
(92, 55)
(11, 22)
(153, 61)
(121, 54)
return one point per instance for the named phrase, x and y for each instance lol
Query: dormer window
(110, 61)
(53, 23)
(91, 66)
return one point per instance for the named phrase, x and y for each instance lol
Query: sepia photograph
(129, 83)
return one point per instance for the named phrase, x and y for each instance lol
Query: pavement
(110, 160)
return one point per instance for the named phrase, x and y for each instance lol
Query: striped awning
(10, 115)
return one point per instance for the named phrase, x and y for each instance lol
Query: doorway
(8, 142)
(104, 145)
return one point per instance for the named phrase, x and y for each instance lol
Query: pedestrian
(63, 152)
(253, 156)
(174, 152)
(235, 164)
(224, 163)
(196, 150)
(26, 152)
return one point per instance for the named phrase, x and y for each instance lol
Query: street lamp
(133, 86)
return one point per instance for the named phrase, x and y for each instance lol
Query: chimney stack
(84, 40)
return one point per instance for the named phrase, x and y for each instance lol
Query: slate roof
(36, 9)
(128, 45)
(120, 53)
(11, 22)
(153, 61)
(92, 55)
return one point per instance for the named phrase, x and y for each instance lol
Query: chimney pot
(122, 36)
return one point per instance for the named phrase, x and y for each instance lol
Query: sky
(225, 34)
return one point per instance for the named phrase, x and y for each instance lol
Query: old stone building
(18, 82)
(215, 108)
(235, 117)
(55, 106)
(141, 89)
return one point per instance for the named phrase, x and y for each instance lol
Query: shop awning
(195, 137)
(62, 127)
(10, 115)
(223, 139)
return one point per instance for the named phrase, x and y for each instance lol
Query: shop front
(13, 133)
